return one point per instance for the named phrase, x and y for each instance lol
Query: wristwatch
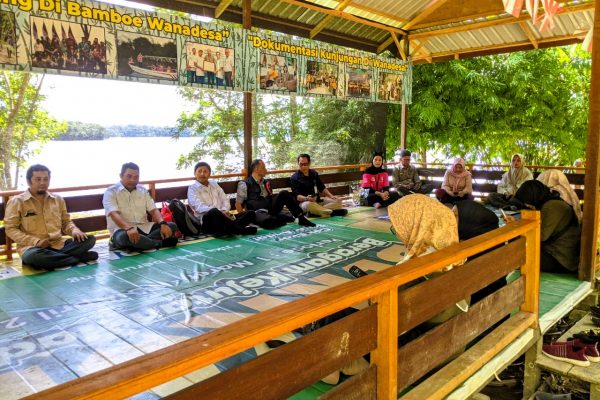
(162, 223)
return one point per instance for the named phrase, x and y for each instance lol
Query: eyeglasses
(303, 164)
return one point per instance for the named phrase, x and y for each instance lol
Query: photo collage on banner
(102, 40)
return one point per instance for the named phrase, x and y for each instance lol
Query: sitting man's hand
(134, 235)
(165, 231)
(78, 235)
(43, 243)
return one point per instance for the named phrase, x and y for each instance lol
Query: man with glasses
(406, 177)
(320, 202)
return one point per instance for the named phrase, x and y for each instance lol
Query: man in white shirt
(228, 68)
(126, 205)
(211, 205)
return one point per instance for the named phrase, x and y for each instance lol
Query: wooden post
(589, 232)
(403, 127)
(531, 269)
(385, 357)
(8, 245)
(247, 24)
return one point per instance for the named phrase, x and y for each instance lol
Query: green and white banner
(95, 39)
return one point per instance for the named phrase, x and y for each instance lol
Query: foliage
(22, 121)
(83, 131)
(487, 108)
(332, 131)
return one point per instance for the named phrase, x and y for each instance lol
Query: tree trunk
(9, 129)
(294, 118)
(30, 111)
(379, 117)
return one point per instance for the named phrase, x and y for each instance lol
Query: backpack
(186, 222)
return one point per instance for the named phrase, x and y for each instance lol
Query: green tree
(487, 108)
(22, 121)
(332, 131)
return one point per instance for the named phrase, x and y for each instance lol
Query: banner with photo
(97, 39)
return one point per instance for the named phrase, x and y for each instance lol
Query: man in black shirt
(321, 202)
(255, 193)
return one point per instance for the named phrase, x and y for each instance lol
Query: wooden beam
(428, 10)
(222, 7)
(420, 48)
(495, 22)
(325, 21)
(529, 33)
(502, 48)
(399, 46)
(591, 198)
(343, 15)
(403, 142)
(385, 44)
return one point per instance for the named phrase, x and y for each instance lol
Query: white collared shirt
(203, 198)
(133, 206)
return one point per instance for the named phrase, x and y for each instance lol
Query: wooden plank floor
(55, 327)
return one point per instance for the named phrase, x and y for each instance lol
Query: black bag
(187, 223)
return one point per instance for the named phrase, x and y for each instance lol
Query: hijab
(536, 194)
(372, 169)
(423, 223)
(558, 182)
(474, 219)
(517, 175)
(458, 176)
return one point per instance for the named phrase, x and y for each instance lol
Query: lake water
(93, 162)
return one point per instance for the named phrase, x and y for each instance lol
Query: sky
(110, 102)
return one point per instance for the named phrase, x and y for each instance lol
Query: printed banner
(100, 40)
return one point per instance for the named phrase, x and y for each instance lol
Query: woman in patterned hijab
(423, 224)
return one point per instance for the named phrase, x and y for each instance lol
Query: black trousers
(373, 198)
(274, 204)
(214, 222)
(50, 258)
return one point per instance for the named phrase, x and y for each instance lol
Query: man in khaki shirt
(37, 220)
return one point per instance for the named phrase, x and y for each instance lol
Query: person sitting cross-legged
(255, 193)
(37, 220)
(321, 203)
(211, 206)
(376, 183)
(511, 181)
(457, 184)
(406, 177)
(127, 205)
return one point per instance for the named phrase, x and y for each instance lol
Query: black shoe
(588, 337)
(88, 256)
(595, 311)
(342, 212)
(303, 221)
(357, 272)
(247, 218)
(596, 321)
(111, 245)
(170, 242)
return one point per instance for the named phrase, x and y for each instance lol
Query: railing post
(152, 189)
(531, 269)
(385, 357)
(8, 243)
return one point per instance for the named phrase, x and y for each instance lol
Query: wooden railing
(393, 309)
(92, 203)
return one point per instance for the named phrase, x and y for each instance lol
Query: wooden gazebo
(432, 31)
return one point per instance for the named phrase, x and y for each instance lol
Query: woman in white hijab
(511, 182)
(558, 182)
